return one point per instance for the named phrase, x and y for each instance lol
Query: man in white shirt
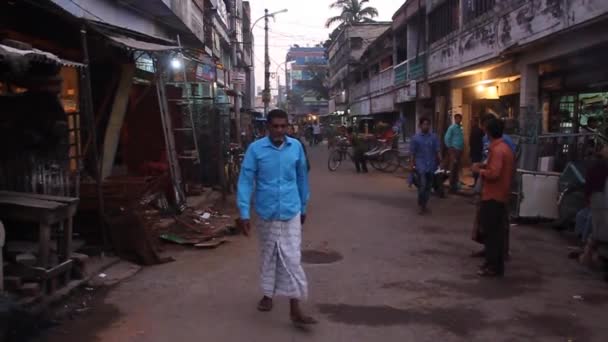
(316, 131)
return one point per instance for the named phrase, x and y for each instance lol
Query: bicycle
(232, 167)
(339, 154)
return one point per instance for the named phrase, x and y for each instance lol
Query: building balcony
(509, 24)
(383, 81)
(411, 69)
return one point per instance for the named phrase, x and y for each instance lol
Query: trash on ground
(213, 243)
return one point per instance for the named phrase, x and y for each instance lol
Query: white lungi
(281, 268)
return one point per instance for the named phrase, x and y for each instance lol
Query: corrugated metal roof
(140, 45)
(35, 54)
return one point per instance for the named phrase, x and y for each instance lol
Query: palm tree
(353, 11)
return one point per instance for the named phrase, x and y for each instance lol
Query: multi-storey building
(344, 54)
(305, 64)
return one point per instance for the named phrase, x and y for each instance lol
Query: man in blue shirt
(275, 172)
(454, 141)
(425, 152)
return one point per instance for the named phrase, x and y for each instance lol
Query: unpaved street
(399, 277)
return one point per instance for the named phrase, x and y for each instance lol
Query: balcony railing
(359, 90)
(411, 69)
(384, 80)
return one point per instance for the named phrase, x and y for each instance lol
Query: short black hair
(591, 119)
(423, 120)
(276, 114)
(495, 128)
(457, 115)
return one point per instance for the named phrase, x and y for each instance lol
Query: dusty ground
(391, 276)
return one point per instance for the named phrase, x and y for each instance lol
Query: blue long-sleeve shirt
(454, 137)
(425, 148)
(279, 178)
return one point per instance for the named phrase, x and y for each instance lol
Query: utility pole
(266, 96)
(235, 68)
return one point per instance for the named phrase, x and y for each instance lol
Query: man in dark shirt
(426, 156)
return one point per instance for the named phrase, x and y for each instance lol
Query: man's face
(277, 128)
(425, 127)
(458, 119)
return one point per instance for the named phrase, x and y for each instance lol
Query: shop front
(574, 106)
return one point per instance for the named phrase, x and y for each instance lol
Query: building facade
(344, 54)
(306, 68)
(536, 64)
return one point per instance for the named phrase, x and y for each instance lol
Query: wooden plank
(34, 215)
(30, 203)
(60, 199)
(45, 245)
(45, 274)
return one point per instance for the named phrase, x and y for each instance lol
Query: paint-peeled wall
(512, 24)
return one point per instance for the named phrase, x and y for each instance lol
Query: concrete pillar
(529, 116)
(456, 102)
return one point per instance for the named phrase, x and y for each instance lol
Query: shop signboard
(205, 72)
(238, 77)
(221, 76)
(407, 93)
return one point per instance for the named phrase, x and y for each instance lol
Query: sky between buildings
(303, 24)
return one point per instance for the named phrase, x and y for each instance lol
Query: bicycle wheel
(391, 161)
(334, 160)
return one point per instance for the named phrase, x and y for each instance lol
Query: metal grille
(443, 20)
(476, 8)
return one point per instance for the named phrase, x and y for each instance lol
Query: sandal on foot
(265, 305)
(303, 321)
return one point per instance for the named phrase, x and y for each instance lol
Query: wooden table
(45, 211)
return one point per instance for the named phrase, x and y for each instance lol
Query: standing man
(497, 175)
(275, 166)
(426, 156)
(316, 131)
(454, 141)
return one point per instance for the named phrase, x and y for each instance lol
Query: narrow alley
(377, 272)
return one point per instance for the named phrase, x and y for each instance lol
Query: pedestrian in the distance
(454, 141)
(316, 131)
(275, 172)
(426, 156)
(497, 175)
(359, 149)
(291, 132)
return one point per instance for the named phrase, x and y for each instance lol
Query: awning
(140, 45)
(72, 64)
(37, 56)
(33, 54)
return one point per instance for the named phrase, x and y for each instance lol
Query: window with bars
(444, 20)
(475, 8)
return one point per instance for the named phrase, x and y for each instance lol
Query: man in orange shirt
(497, 175)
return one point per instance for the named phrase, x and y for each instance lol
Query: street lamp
(266, 94)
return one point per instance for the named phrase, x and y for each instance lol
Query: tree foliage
(352, 12)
